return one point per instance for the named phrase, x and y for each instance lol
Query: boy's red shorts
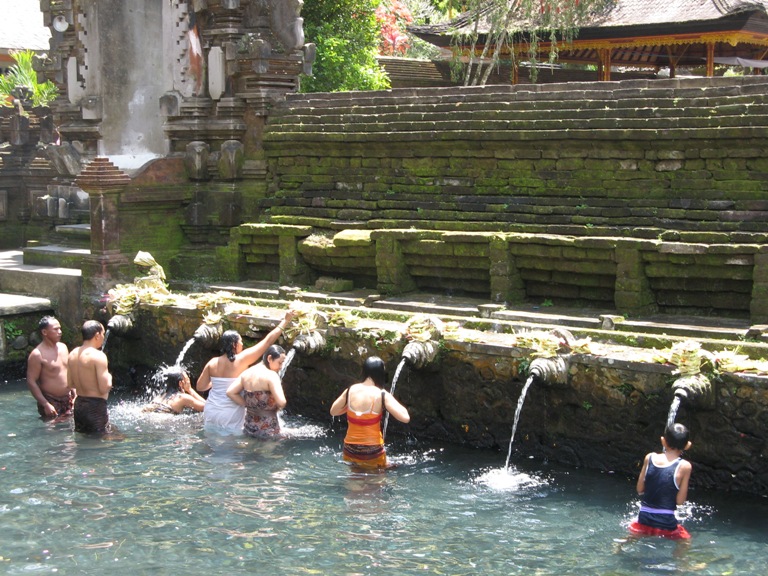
(678, 533)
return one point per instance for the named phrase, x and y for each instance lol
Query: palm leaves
(23, 73)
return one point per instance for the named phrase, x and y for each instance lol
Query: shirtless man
(47, 372)
(89, 375)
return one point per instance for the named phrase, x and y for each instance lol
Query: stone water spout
(550, 370)
(120, 324)
(424, 334)
(208, 335)
(306, 344)
(695, 388)
(554, 369)
(420, 354)
(692, 386)
(310, 339)
(309, 343)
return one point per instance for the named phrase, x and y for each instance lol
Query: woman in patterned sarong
(260, 390)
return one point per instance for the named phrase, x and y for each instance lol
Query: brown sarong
(365, 456)
(91, 416)
(62, 404)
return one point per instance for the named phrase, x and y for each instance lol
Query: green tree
(22, 73)
(490, 28)
(347, 37)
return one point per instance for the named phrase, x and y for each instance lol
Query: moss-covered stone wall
(674, 172)
(635, 157)
(629, 275)
(607, 415)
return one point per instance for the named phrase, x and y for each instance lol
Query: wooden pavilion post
(604, 68)
(674, 53)
(710, 59)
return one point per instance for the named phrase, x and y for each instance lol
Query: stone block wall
(608, 415)
(669, 178)
(625, 158)
(632, 276)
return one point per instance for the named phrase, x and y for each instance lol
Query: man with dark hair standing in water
(47, 372)
(89, 375)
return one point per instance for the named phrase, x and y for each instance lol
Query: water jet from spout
(287, 362)
(399, 369)
(673, 410)
(184, 351)
(546, 371)
(689, 388)
(519, 409)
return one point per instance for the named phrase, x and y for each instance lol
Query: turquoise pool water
(169, 500)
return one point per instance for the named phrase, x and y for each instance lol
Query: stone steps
(576, 91)
(530, 110)
(61, 285)
(724, 222)
(662, 110)
(66, 247)
(56, 256)
(582, 322)
(74, 235)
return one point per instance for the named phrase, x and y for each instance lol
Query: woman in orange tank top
(364, 404)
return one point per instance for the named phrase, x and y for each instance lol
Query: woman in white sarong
(222, 414)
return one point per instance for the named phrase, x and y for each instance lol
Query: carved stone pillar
(105, 266)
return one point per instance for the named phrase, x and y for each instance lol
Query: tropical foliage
(347, 37)
(394, 17)
(22, 73)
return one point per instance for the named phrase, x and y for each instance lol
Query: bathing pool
(167, 499)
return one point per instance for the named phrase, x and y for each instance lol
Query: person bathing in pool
(364, 404)
(178, 394)
(663, 485)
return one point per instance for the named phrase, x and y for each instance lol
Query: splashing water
(184, 351)
(392, 391)
(508, 480)
(673, 410)
(519, 409)
(288, 359)
(299, 427)
(106, 337)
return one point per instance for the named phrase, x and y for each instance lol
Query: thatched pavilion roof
(651, 33)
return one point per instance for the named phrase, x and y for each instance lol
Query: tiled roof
(642, 12)
(634, 13)
(21, 26)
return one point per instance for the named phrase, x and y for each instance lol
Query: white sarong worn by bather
(221, 414)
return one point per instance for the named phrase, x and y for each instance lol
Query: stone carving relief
(188, 58)
(277, 22)
(287, 24)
